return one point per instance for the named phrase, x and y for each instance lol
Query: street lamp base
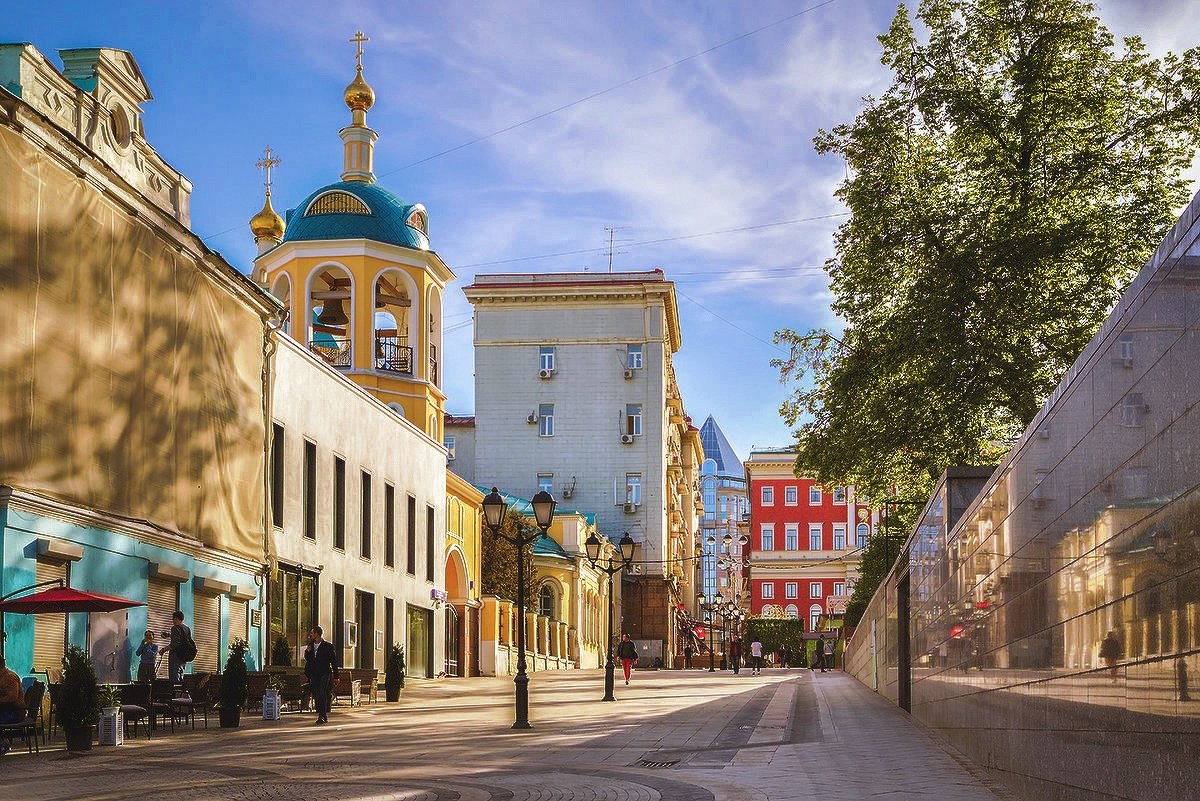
(522, 724)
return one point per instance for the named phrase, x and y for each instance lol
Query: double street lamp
(494, 508)
(611, 567)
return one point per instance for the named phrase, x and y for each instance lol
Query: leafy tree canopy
(498, 559)
(1019, 170)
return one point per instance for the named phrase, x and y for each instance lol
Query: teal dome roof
(358, 210)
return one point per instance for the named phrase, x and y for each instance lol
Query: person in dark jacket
(627, 653)
(1110, 653)
(321, 668)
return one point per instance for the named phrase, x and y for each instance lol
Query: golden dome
(267, 223)
(359, 95)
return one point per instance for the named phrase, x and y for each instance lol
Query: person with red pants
(627, 653)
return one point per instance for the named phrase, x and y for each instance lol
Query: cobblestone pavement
(675, 736)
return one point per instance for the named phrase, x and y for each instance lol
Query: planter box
(112, 727)
(270, 705)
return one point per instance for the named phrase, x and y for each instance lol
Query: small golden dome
(267, 223)
(359, 95)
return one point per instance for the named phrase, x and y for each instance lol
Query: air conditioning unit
(1043, 433)
(631, 508)
(545, 373)
(567, 493)
(350, 634)
(627, 439)
(532, 419)
(628, 373)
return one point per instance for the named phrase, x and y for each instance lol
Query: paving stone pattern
(671, 736)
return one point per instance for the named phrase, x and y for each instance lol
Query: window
(633, 357)
(277, 475)
(791, 589)
(768, 589)
(339, 503)
(767, 534)
(1124, 354)
(839, 588)
(389, 525)
(546, 602)
(814, 496)
(863, 534)
(839, 496)
(768, 496)
(449, 443)
(839, 538)
(310, 490)
(633, 419)
(429, 540)
(546, 482)
(1132, 408)
(791, 495)
(792, 611)
(546, 358)
(546, 420)
(411, 545)
(364, 541)
(814, 617)
(791, 537)
(814, 589)
(633, 488)
(814, 537)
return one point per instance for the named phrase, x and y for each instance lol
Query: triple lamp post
(611, 567)
(494, 508)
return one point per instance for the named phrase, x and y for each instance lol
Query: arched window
(792, 611)
(546, 602)
(864, 533)
(814, 616)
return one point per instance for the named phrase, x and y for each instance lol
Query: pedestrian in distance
(756, 656)
(177, 651)
(827, 662)
(321, 669)
(818, 656)
(735, 654)
(627, 653)
(785, 657)
(147, 653)
(1110, 654)
(687, 656)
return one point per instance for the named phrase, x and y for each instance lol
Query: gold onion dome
(359, 95)
(267, 223)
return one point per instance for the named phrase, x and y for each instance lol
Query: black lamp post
(707, 611)
(493, 517)
(611, 567)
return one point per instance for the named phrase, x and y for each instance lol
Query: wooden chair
(198, 687)
(162, 691)
(370, 685)
(256, 688)
(136, 706)
(28, 728)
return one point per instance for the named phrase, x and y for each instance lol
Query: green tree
(1019, 170)
(775, 633)
(498, 559)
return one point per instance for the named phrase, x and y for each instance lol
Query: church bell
(332, 313)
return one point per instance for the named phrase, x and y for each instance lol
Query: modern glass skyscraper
(723, 487)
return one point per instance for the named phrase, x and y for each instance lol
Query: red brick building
(805, 540)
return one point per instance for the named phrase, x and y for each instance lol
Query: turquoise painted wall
(112, 563)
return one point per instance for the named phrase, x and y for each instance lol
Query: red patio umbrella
(65, 599)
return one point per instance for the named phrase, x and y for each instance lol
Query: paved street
(680, 736)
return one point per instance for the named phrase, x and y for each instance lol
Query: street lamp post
(493, 517)
(706, 610)
(612, 567)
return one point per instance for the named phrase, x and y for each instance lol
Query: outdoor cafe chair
(27, 728)
(136, 706)
(198, 697)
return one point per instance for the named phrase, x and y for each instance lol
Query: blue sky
(700, 158)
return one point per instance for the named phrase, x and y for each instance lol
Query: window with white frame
(768, 496)
(839, 538)
(768, 589)
(814, 617)
(863, 534)
(814, 589)
(449, 443)
(767, 535)
(633, 419)
(792, 611)
(546, 482)
(791, 495)
(546, 420)
(791, 589)
(814, 537)
(839, 588)
(814, 496)
(633, 488)
(633, 357)
(791, 537)
(839, 496)
(546, 357)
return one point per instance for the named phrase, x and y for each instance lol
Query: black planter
(79, 738)
(231, 717)
(392, 694)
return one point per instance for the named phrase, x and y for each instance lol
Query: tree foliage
(498, 559)
(775, 633)
(1019, 170)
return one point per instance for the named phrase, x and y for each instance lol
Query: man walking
(320, 667)
(178, 650)
(756, 658)
(627, 653)
(687, 656)
(827, 661)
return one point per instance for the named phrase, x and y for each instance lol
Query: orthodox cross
(266, 163)
(359, 39)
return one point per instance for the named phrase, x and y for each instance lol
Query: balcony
(392, 355)
(335, 351)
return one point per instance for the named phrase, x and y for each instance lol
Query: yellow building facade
(463, 604)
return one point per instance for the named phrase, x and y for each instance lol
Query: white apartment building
(575, 394)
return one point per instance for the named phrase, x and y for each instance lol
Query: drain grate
(646, 763)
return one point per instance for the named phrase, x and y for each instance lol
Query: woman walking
(627, 653)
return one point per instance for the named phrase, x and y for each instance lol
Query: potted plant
(79, 699)
(112, 725)
(110, 700)
(281, 651)
(234, 686)
(394, 680)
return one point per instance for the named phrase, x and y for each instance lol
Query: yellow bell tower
(354, 267)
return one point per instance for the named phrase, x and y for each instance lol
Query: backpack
(187, 650)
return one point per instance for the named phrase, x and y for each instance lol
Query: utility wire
(729, 323)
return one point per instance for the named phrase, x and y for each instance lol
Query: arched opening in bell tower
(392, 329)
(330, 314)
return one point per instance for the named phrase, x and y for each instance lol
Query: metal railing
(334, 350)
(393, 356)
